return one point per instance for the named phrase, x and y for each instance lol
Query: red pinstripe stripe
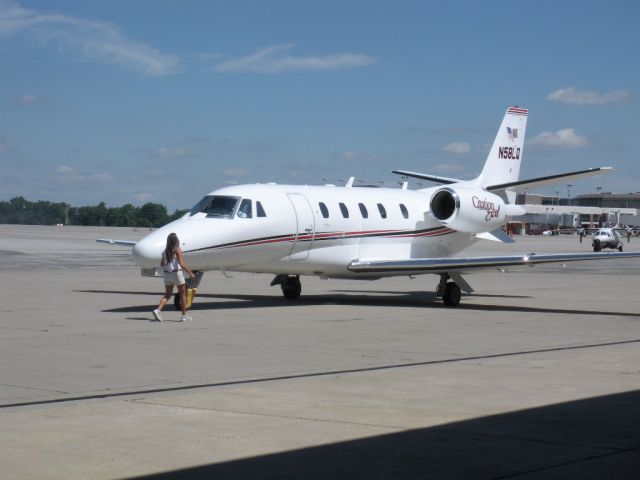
(340, 235)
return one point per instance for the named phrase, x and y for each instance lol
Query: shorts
(174, 278)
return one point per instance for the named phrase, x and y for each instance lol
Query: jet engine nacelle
(468, 210)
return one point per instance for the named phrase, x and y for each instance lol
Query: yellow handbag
(191, 295)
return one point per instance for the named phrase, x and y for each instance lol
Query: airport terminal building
(590, 210)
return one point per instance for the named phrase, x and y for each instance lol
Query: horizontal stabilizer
(424, 176)
(443, 265)
(125, 243)
(522, 185)
(498, 235)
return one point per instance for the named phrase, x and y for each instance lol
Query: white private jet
(362, 232)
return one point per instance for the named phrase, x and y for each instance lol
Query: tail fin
(503, 161)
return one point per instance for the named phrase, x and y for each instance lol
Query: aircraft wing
(468, 264)
(522, 185)
(424, 176)
(126, 243)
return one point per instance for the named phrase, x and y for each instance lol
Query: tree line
(18, 210)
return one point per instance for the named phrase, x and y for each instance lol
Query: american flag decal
(512, 132)
(518, 111)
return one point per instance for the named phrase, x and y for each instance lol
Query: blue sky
(165, 100)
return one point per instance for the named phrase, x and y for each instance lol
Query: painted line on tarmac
(309, 375)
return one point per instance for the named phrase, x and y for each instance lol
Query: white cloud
(30, 99)
(451, 168)
(235, 172)
(68, 174)
(457, 148)
(88, 38)
(143, 196)
(101, 177)
(359, 157)
(565, 138)
(573, 96)
(64, 170)
(165, 152)
(274, 60)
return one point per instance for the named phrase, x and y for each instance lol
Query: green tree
(21, 211)
(153, 214)
(176, 215)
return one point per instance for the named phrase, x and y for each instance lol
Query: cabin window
(363, 210)
(405, 212)
(259, 210)
(216, 206)
(324, 210)
(245, 209)
(382, 210)
(344, 210)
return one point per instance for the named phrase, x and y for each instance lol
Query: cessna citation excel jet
(362, 232)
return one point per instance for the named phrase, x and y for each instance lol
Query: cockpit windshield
(216, 206)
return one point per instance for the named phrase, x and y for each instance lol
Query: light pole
(547, 210)
(558, 210)
(569, 185)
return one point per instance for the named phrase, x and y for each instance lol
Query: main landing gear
(449, 291)
(290, 285)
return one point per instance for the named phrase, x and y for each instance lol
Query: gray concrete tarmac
(536, 375)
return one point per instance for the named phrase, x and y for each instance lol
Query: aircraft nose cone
(146, 253)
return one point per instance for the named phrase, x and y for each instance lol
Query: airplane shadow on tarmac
(417, 299)
(590, 438)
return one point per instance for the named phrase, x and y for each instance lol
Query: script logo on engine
(487, 206)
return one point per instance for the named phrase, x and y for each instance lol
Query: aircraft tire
(596, 246)
(620, 247)
(452, 295)
(291, 287)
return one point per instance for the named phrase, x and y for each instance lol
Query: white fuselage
(296, 237)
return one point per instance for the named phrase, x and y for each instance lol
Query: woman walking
(173, 264)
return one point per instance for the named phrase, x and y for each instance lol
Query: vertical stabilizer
(503, 161)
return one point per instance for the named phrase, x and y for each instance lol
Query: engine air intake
(444, 204)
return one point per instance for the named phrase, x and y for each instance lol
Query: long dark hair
(172, 245)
